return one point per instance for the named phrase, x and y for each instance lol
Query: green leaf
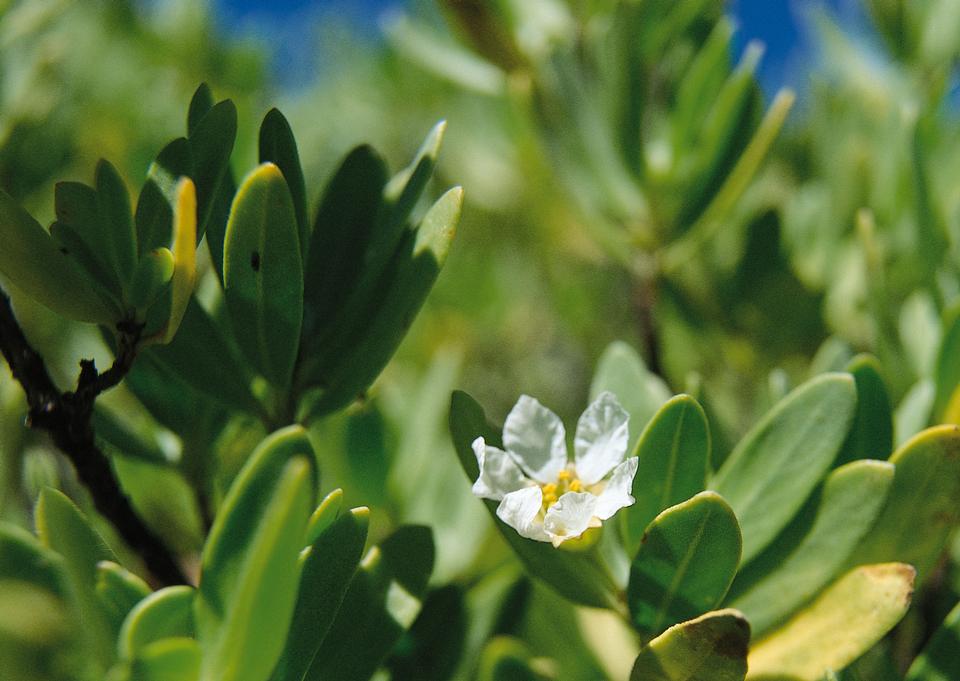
(118, 236)
(382, 601)
(164, 500)
(728, 119)
(506, 659)
(81, 231)
(432, 648)
(871, 435)
(674, 461)
(325, 514)
(622, 372)
(342, 233)
(200, 104)
(211, 143)
(327, 567)
(170, 659)
(576, 576)
(844, 621)
(163, 614)
(403, 191)
(203, 358)
(63, 528)
(701, 84)
(24, 559)
(913, 412)
(119, 590)
(775, 467)
(685, 565)
(407, 282)
(263, 274)
(939, 661)
(154, 214)
(947, 372)
(151, 277)
(278, 146)
(45, 271)
(813, 548)
(114, 435)
(249, 566)
(712, 647)
(357, 258)
(921, 510)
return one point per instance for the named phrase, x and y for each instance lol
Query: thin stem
(67, 418)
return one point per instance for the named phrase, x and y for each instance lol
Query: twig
(67, 418)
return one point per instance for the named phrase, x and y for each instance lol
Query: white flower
(542, 494)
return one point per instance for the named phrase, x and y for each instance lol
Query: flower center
(567, 481)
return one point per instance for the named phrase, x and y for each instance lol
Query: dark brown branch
(67, 418)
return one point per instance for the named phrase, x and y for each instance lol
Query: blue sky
(777, 23)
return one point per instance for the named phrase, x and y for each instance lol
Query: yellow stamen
(576, 485)
(563, 475)
(550, 489)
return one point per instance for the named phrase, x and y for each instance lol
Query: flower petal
(616, 492)
(499, 475)
(570, 517)
(519, 510)
(601, 440)
(534, 436)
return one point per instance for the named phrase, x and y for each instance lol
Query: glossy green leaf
(712, 647)
(622, 372)
(163, 614)
(80, 230)
(913, 413)
(24, 559)
(211, 143)
(249, 566)
(685, 565)
(202, 357)
(323, 516)
(263, 274)
(432, 649)
(118, 235)
(154, 213)
(278, 146)
(342, 232)
(407, 282)
(939, 660)
(200, 104)
(716, 145)
(674, 461)
(404, 189)
(383, 600)
(357, 257)
(63, 528)
(701, 84)
(576, 576)
(927, 471)
(163, 499)
(814, 547)
(841, 624)
(871, 435)
(506, 659)
(328, 565)
(38, 266)
(151, 277)
(170, 659)
(947, 371)
(775, 467)
(119, 590)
